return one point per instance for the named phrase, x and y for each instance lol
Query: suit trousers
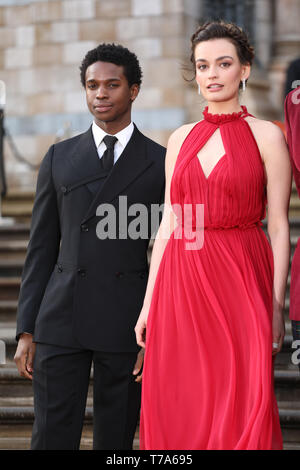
(60, 385)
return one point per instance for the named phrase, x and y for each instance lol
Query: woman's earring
(199, 90)
(244, 84)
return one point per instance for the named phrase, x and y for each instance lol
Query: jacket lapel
(86, 162)
(132, 162)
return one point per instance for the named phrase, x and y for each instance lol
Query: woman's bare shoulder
(265, 129)
(269, 137)
(175, 142)
(178, 136)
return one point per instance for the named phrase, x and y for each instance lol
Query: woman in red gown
(212, 320)
(292, 122)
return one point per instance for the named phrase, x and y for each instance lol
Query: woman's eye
(225, 64)
(201, 67)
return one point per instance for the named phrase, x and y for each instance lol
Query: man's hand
(24, 355)
(138, 365)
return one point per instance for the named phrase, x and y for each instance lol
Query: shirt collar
(123, 136)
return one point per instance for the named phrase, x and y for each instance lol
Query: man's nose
(101, 92)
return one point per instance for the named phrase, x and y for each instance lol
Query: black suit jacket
(78, 290)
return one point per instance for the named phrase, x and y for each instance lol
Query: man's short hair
(114, 54)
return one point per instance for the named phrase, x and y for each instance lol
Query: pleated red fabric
(292, 122)
(208, 380)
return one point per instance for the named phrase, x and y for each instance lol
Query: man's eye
(91, 86)
(113, 85)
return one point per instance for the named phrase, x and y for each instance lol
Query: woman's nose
(212, 72)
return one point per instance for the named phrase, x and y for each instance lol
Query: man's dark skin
(109, 98)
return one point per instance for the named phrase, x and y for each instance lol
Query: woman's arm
(166, 228)
(279, 180)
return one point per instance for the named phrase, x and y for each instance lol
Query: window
(241, 12)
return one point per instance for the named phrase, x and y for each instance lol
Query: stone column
(286, 46)
(287, 31)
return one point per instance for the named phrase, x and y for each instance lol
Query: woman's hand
(278, 331)
(140, 327)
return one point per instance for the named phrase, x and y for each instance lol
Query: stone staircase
(18, 204)
(16, 402)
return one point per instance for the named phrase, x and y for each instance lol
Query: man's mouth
(102, 107)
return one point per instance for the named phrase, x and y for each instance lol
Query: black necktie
(108, 156)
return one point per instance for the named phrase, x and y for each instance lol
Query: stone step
(291, 446)
(289, 414)
(19, 437)
(11, 266)
(20, 212)
(287, 385)
(12, 252)
(13, 246)
(18, 231)
(14, 415)
(13, 386)
(295, 201)
(27, 402)
(9, 288)
(23, 443)
(18, 205)
(22, 416)
(8, 311)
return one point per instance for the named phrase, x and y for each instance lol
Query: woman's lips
(215, 88)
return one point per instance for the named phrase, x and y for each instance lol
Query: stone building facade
(42, 43)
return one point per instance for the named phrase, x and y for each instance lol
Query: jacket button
(81, 272)
(119, 274)
(64, 190)
(59, 269)
(84, 228)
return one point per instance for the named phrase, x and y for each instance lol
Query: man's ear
(134, 91)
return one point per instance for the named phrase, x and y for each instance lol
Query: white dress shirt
(123, 138)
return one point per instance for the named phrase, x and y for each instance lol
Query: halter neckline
(221, 118)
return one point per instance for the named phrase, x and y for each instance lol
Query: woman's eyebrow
(219, 58)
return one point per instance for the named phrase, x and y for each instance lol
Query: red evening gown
(292, 122)
(208, 371)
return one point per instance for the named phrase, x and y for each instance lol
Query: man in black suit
(81, 290)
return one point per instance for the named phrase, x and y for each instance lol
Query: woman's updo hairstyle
(221, 29)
